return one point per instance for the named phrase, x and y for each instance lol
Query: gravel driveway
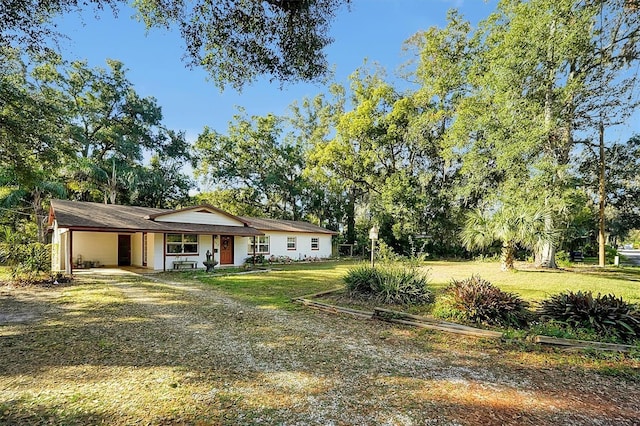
(182, 353)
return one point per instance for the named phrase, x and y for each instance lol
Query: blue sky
(372, 29)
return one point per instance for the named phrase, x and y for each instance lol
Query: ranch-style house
(93, 234)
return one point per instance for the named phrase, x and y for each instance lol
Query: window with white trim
(182, 244)
(315, 243)
(262, 245)
(291, 243)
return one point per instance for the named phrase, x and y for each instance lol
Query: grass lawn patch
(537, 284)
(276, 288)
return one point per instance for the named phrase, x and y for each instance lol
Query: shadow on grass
(18, 412)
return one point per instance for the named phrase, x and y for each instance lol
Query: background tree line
(496, 137)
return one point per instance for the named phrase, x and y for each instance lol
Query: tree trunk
(351, 216)
(601, 195)
(548, 251)
(508, 256)
(39, 215)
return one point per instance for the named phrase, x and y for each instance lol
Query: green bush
(563, 258)
(477, 300)
(402, 285)
(362, 279)
(607, 315)
(259, 260)
(392, 284)
(609, 254)
(27, 261)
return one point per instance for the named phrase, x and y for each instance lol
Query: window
(182, 244)
(262, 245)
(291, 243)
(315, 243)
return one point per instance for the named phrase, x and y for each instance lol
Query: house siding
(278, 245)
(96, 246)
(136, 249)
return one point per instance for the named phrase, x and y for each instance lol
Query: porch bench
(184, 264)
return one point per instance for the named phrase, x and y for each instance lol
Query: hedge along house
(90, 234)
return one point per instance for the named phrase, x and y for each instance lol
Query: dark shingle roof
(285, 225)
(112, 217)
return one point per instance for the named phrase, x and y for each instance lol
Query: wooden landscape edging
(395, 317)
(333, 309)
(433, 324)
(581, 344)
(404, 318)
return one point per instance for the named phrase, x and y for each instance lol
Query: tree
(508, 225)
(161, 184)
(622, 185)
(234, 40)
(536, 79)
(324, 199)
(254, 157)
(30, 147)
(107, 127)
(237, 201)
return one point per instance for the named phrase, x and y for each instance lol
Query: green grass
(276, 288)
(537, 284)
(5, 274)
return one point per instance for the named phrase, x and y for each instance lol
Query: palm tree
(509, 225)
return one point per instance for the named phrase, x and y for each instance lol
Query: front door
(124, 250)
(226, 250)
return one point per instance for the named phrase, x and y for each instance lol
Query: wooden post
(373, 252)
(254, 251)
(70, 258)
(164, 251)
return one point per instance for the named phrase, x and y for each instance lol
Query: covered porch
(82, 249)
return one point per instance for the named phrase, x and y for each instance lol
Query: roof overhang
(238, 231)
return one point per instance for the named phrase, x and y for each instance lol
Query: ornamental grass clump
(608, 315)
(362, 279)
(398, 284)
(477, 300)
(389, 284)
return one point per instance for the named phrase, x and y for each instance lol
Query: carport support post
(70, 247)
(254, 252)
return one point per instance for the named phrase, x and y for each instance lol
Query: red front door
(226, 250)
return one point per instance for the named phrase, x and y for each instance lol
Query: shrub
(389, 284)
(563, 258)
(607, 315)
(609, 254)
(259, 260)
(477, 300)
(402, 285)
(27, 261)
(362, 279)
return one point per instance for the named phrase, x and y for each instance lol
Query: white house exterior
(90, 234)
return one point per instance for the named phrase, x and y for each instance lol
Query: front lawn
(276, 288)
(279, 286)
(536, 284)
(167, 350)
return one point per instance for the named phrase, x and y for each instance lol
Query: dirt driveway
(129, 350)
